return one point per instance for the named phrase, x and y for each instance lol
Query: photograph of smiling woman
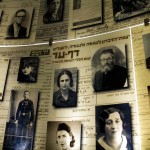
(65, 86)
(28, 69)
(113, 127)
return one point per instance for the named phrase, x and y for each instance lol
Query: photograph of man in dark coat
(110, 76)
(16, 30)
(55, 11)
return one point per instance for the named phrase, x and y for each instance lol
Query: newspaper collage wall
(97, 51)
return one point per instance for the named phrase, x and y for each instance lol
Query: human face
(27, 70)
(64, 82)
(107, 62)
(113, 125)
(63, 139)
(26, 95)
(20, 17)
(54, 6)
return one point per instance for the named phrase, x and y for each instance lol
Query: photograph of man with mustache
(110, 76)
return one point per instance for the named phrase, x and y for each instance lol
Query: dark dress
(59, 101)
(111, 80)
(22, 32)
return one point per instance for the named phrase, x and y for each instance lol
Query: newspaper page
(23, 12)
(43, 85)
(85, 55)
(140, 40)
(86, 13)
(47, 27)
(109, 23)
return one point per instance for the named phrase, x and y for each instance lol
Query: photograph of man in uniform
(110, 75)
(20, 23)
(54, 12)
(28, 69)
(65, 95)
(20, 129)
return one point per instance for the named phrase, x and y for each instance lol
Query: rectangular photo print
(65, 87)
(28, 69)
(64, 135)
(109, 68)
(4, 65)
(20, 128)
(86, 13)
(146, 40)
(123, 9)
(54, 11)
(113, 127)
(19, 23)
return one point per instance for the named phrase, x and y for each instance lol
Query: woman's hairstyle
(64, 126)
(67, 72)
(105, 115)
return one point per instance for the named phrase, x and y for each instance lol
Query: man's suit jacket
(22, 31)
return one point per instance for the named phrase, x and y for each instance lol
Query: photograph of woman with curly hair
(67, 135)
(113, 127)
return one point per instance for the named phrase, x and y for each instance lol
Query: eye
(108, 122)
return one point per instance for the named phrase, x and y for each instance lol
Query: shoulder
(120, 68)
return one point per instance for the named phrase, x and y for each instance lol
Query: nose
(113, 126)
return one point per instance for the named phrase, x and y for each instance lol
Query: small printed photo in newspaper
(64, 135)
(124, 9)
(65, 87)
(28, 69)
(54, 12)
(113, 123)
(110, 70)
(4, 65)
(86, 13)
(19, 23)
(146, 40)
(20, 128)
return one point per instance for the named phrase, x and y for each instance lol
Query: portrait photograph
(28, 69)
(123, 9)
(113, 127)
(4, 65)
(146, 40)
(54, 11)
(109, 68)
(20, 128)
(19, 23)
(65, 87)
(63, 135)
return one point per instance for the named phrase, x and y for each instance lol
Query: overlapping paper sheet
(78, 53)
(142, 82)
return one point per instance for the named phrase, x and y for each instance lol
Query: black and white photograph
(124, 9)
(19, 132)
(28, 69)
(63, 135)
(54, 13)
(4, 65)
(113, 127)
(20, 21)
(65, 87)
(109, 69)
(87, 13)
(146, 40)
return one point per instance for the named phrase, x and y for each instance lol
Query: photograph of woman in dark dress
(112, 124)
(65, 96)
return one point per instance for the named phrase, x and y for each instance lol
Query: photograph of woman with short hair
(66, 82)
(113, 127)
(63, 135)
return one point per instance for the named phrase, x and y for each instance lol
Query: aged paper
(29, 23)
(79, 53)
(109, 23)
(142, 81)
(57, 30)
